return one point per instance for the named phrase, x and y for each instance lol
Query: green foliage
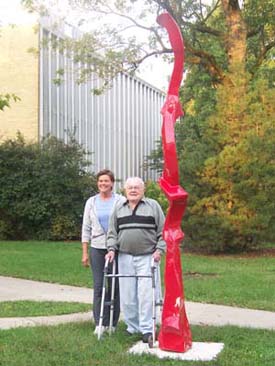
(154, 161)
(235, 209)
(42, 189)
(226, 168)
(154, 191)
(5, 100)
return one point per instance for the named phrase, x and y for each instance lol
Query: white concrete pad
(200, 351)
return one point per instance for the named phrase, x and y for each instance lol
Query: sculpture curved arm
(176, 41)
(171, 109)
(175, 332)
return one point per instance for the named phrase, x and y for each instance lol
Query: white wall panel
(119, 127)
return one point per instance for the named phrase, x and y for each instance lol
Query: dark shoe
(146, 337)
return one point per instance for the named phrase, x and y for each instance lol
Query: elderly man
(135, 230)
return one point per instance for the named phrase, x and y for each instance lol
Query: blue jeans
(97, 260)
(136, 293)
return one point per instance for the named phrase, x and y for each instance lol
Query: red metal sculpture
(175, 334)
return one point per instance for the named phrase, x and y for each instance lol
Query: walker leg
(112, 304)
(159, 300)
(100, 330)
(152, 340)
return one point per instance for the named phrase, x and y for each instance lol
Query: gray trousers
(136, 297)
(97, 261)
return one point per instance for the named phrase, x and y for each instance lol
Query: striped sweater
(139, 231)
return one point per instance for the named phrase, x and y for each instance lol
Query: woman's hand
(85, 255)
(85, 261)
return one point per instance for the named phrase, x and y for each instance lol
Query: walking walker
(107, 303)
(155, 275)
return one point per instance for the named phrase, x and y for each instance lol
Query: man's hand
(110, 255)
(156, 255)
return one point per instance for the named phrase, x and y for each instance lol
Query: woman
(96, 216)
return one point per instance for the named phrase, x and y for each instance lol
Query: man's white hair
(131, 181)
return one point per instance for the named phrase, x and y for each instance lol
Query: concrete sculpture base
(200, 351)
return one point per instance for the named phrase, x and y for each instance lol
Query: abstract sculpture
(175, 332)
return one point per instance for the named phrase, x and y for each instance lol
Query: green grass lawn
(75, 345)
(9, 309)
(229, 280)
(44, 261)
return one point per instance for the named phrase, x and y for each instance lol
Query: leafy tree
(43, 188)
(241, 180)
(154, 161)
(225, 38)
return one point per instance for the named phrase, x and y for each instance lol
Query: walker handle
(154, 263)
(106, 265)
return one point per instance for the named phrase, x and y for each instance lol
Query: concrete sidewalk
(14, 289)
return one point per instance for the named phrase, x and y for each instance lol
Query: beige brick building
(19, 75)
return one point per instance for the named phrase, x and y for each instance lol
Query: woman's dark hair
(106, 172)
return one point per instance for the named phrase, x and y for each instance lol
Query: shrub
(43, 187)
(154, 191)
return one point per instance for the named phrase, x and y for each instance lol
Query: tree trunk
(236, 34)
(234, 86)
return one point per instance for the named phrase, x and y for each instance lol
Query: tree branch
(206, 60)
(254, 32)
(215, 7)
(205, 29)
(263, 53)
(154, 53)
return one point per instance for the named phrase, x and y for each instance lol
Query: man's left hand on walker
(110, 256)
(156, 255)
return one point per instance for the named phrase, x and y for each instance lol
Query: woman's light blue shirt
(103, 210)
